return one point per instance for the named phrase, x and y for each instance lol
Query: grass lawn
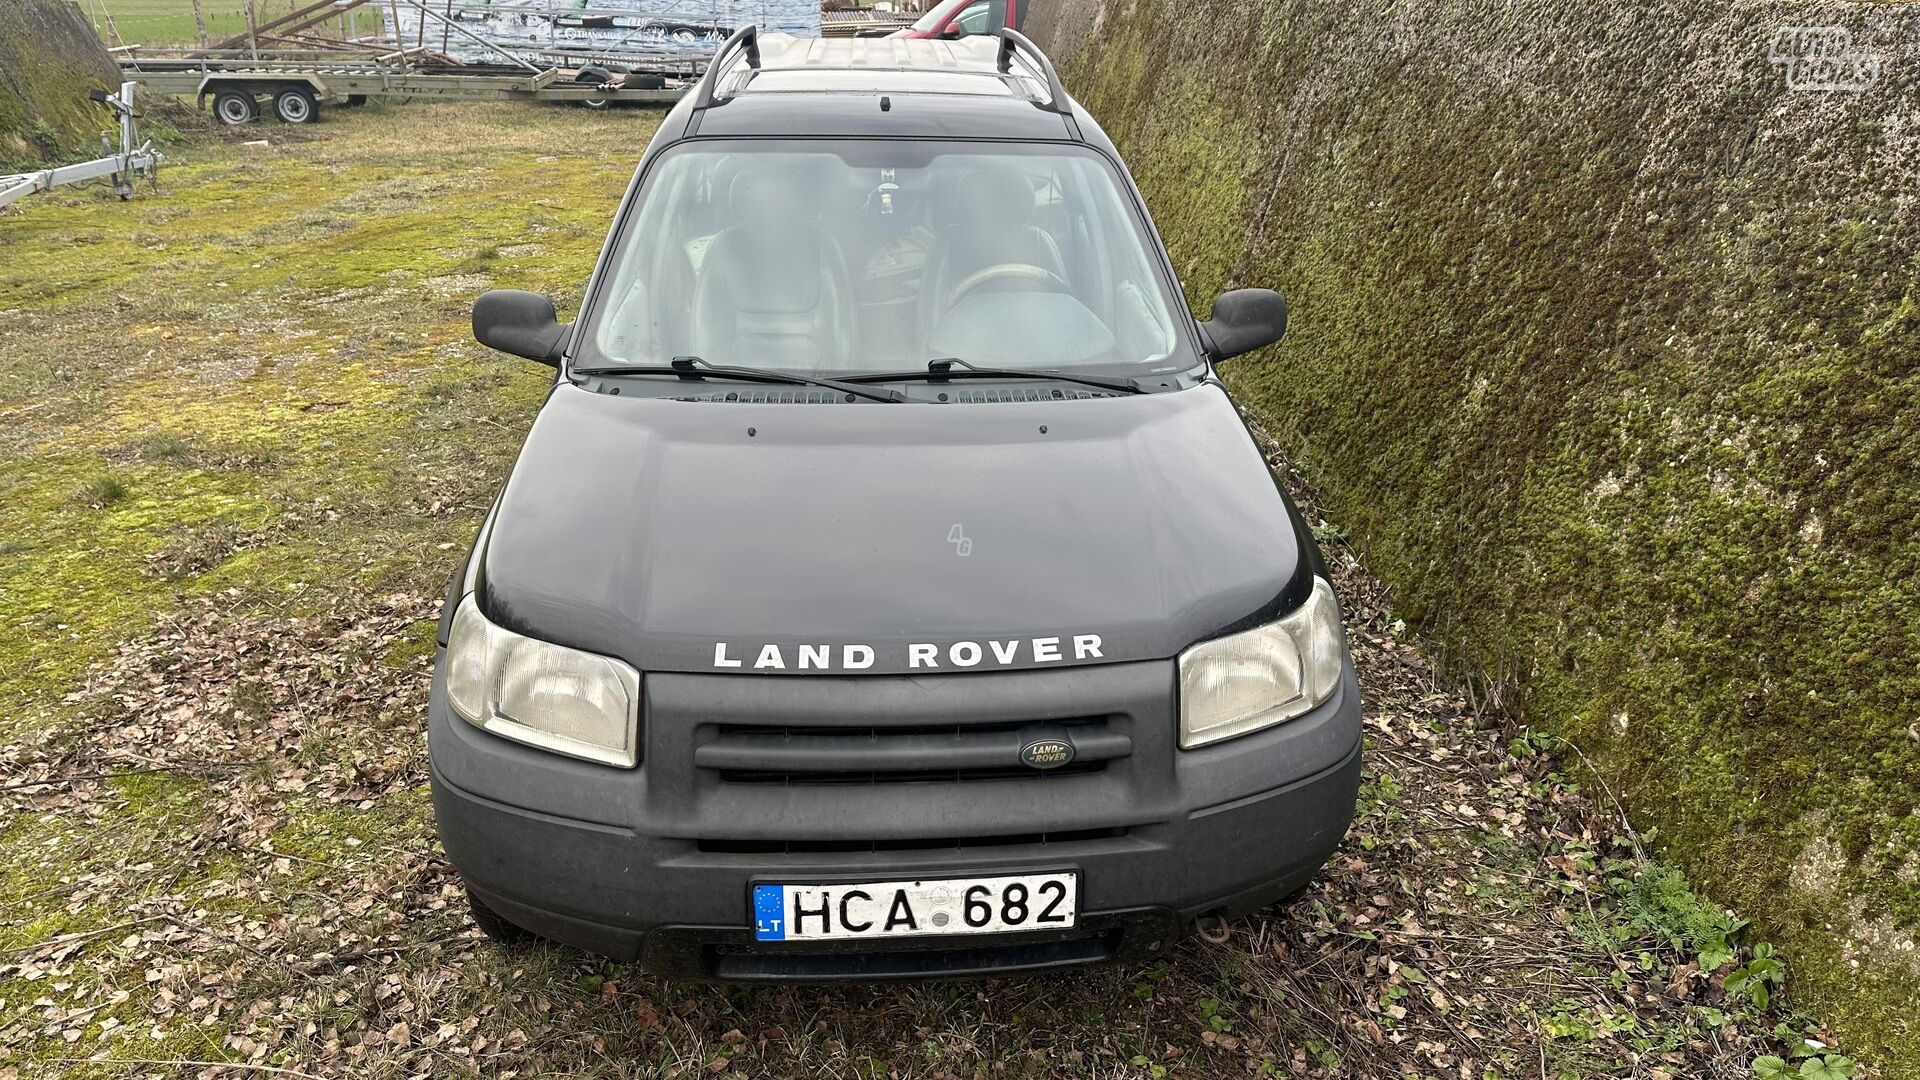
(245, 437)
(170, 22)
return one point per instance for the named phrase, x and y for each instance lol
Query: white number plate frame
(931, 907)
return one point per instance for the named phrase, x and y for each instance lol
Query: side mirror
(1244, 320)
(953, 31)
(521, 323)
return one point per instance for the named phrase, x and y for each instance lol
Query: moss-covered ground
(244, 437)
(1606, 348)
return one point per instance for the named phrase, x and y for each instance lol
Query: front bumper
(655, 865)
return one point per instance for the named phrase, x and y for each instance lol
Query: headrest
(995, 194)
(767, 198)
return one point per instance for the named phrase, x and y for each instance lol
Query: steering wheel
(1045, 279)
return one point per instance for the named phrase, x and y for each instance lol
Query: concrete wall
(49, 58)
(1606, 346)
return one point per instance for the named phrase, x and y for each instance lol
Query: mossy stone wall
(1606, 347)
(49, 58)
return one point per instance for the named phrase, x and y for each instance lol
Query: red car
(963, 18)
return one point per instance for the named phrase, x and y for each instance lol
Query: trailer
(135, 158)
(595, 52)
(295, 85)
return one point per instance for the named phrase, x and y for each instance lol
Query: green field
(170, 22)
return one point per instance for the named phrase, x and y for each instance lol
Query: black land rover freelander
(888, 587)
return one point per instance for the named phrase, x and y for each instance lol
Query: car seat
(773, 288)
(991, 225)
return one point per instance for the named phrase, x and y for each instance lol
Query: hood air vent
(1022, 393)
(953, 396)
(798, 395)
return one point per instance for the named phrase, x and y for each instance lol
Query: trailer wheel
(354, 101)
(235, 107)
(296, 105)
(593, 75)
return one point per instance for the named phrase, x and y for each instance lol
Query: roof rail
(747, 40)
(1012, 40)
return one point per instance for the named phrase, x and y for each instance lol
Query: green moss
(1614, 384)
(230, 397)
(415, 649)
(49, 60)
(324, 834)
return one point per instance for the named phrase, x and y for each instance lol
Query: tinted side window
(973, 20)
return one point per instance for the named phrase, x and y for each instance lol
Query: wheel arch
(254, 83)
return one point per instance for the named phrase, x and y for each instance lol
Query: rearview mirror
(520, 323)
(1244, 320)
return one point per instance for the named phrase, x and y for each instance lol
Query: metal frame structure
(132, 160)
(297, 30)
(1012, 45)
(380, 77)
(280, 57)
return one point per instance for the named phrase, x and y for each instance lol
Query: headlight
(1260, 677)
(559, 699)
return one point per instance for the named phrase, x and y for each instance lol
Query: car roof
(901, 87)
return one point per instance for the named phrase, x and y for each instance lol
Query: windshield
(857, 257)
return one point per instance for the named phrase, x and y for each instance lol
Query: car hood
(787, 539)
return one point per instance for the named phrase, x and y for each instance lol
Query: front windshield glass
(854, 257)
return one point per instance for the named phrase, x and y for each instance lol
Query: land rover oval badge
(1046, 753)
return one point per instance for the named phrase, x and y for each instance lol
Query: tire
(492, 924)
(296, 105)
(235, 107)
(593, 75)
(354, 101)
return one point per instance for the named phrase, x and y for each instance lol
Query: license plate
(894, 909)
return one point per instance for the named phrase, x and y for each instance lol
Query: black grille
(908, 776)
(899, 962)
(953, 843)
(905, 754)
(889, 731)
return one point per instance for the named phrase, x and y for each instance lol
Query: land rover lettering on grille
(959, 654)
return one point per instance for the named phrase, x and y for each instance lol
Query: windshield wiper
(692, 367)
(943, 369)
